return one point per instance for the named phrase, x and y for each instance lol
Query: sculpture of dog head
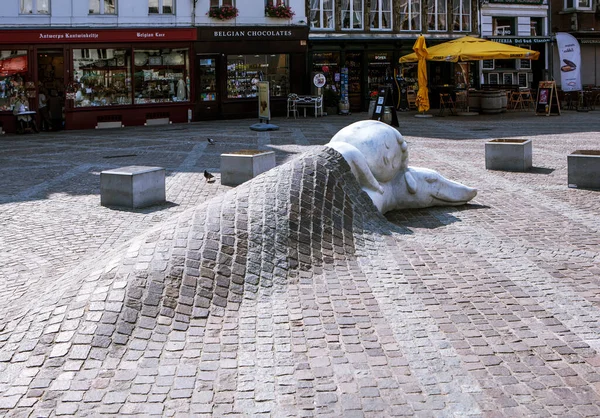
(378, 157)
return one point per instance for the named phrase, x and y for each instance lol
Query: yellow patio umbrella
(420, 49)
(468, 48)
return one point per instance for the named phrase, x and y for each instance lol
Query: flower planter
(584, 169)
(241, 166)
(508, 154)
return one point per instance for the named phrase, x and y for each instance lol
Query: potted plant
(331, 99)
(373, 99)
(223, 12)
(280, 11)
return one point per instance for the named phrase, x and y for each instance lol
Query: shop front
(231, 60)
(98, 77)
(369, 66)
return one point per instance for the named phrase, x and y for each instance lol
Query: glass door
(207, 88)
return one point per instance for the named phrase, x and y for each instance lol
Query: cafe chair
(411, 96)
(446, 102)
(527, 99)
(460, 104)
(516, 100)
(292, 105)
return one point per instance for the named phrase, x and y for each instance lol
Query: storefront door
(51, 82)
(207, 100)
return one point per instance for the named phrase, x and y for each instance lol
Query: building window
(34, 7)
(461, 13)
(410, 15)
(160, 7)
(103, 7)
(244, 71)
(535, 25)
(503, 26)
(437, 15)
(221, 3)
(352, 14)
(578, 4)
(321, 14)
(381, 15)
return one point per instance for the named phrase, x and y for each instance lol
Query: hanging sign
(319, 80)
(264, 106)
(547, 99)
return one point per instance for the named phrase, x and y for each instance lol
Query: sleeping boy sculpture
(378, 157)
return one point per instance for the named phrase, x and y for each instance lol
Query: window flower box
(281, 12)
(223, 12)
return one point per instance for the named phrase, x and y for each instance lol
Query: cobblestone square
(283, 300)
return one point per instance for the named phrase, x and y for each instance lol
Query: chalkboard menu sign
(547, 99)
(384, 101)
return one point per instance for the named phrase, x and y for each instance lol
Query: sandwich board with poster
(547, 99)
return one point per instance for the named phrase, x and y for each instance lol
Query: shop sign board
(521, 40)
(264, 105)
(254, 33)
(37, 36)
(536, 2)
(547, 99)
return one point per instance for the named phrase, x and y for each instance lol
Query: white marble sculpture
(378, 157)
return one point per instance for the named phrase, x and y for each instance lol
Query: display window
(14, 79)
(102, 77)
(328, 63)
(379, 70)
(244, 71)
(161, 75)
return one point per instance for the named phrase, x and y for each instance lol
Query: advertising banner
(570, 62)
(264, 106)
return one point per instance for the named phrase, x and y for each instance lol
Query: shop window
(102, 77)
(352, 14)
(461, 15)
(14, 80)
(487, 64)
(493, 78)
(381, 15)
(103, 7)
(437, 15)
(161, 75)
(410, 15)
(504, 64)
(36, 7)
(244, 71)
(379, 70)
(321, 14)
(328, 63)
(525, 64)
(507, 78)
(160, 7)
(503, 26)
(578, 4)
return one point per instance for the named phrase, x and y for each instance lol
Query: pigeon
(211, 141)
(208, 176)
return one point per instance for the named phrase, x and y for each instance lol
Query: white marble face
(378, 157)
(384, 148)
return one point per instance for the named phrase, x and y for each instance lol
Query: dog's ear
(411, 183)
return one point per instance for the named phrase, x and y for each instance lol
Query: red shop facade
(99, 77)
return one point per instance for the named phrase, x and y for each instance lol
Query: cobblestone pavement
(289, 296)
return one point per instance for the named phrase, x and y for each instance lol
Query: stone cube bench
(508, 154)
(241, 166)
(584, 169)
(132, 186)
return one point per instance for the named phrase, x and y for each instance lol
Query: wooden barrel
(492, 101)
(474, 101)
